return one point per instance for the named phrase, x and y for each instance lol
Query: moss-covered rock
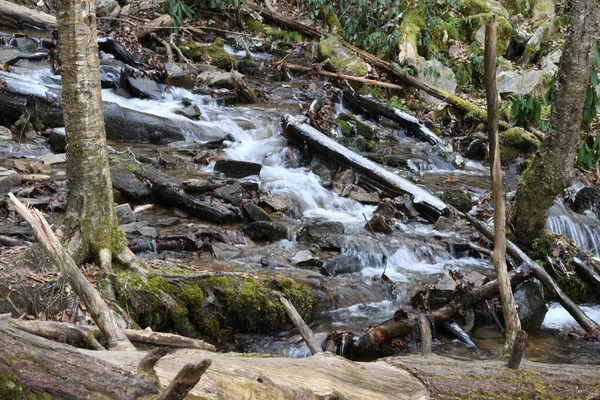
(215, 53)
(473, 7)
(543, 9)
(334, 25)
(458, 199)
(340, 58)
(345, 127)
(251, 23)
(478, 22)
(541, 35)
(516, 141)
(410, 28)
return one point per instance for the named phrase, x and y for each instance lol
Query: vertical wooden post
(511, 317)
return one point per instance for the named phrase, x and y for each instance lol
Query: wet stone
(237, 169)
(365, 198)
(233, 193)
(262, 231)
(127, 184)
(255, 213)
(275, 203)
(342, 264)
(8, 179)
(124, 214)
(57, 140)
(177, 76)
(444, 289)
(458, 199)
(143, 88)
(379, 224)
(52, 159)
(531, 305)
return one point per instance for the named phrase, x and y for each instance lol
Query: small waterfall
(584, 231)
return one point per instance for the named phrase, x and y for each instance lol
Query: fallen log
(82, 335)
(303, 134)
(162, 22)
(370, 343)
(99, 310)
(587, 273)
(18, 17)
(414, 126)
(170, 193)
(458, 333)
(299, 323)
(588, 325)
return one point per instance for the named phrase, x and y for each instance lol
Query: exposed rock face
(340, 58)
(441, 77)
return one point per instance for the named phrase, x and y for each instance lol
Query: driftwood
(303, 134)
(368, 105)
(185, 380)
(162, 22)
(18, 17)
(371, 341)
(512, 323)
(460, 334)
(99, 310)
(299, 323)
(169, 192)
(84, 335)
(582, 319)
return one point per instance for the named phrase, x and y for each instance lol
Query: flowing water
(415, 252)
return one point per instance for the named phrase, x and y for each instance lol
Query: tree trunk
(552, 168)
(512, 323)
(90, 208)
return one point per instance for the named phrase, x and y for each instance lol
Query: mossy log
(32, 367)
(448, 378)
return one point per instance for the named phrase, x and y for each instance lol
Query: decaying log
(512, 323)
(299, 323)
(303, 134)
(99, 310)
(82, 335)
(370, 342)
(164, 21)
(169, 192)
(588, 325)
(18, 17)
(185, 380)
(414, 126)
(38, 365)
(517, 351)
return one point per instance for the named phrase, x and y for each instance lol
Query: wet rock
(224, 251)
(5, 133)
(273, 202)
(340, 58)
(443, 290)
(379, 224)
(233, 193)
(179, 76)
(8, 179)
(124, 214)
(191, 112)
(392, 208)
(142, 88)
(57, 140)
(140, 229)
(237, 169)
(110, 75)
(8, 55)
(342, 264)
(346, 177)
(250, 183)
(303, 258)
(476, 150)
(205, 157)
(262, 231)
(53, 159)
(221, 79)
(583, 198)
(127, 184)
(255, 213)
(365, 198)
(531, 305)
(458, 199)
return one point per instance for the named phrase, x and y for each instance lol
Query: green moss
(504, 29)
(9, 388)
(334, 25)
(292, 36)
(345, 127)
(516, 141)
(340, 59)
(410, 28)
(472, 7)
(252, 24)
(300, 296)
(215, 53)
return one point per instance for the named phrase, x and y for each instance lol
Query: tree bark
(18, 17)
(512, 323)
(90, 208)
(552, 168)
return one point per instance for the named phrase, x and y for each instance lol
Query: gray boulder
(221, 79)
(436, 74)
(523, 82)
(262, 231)
(531, 305)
